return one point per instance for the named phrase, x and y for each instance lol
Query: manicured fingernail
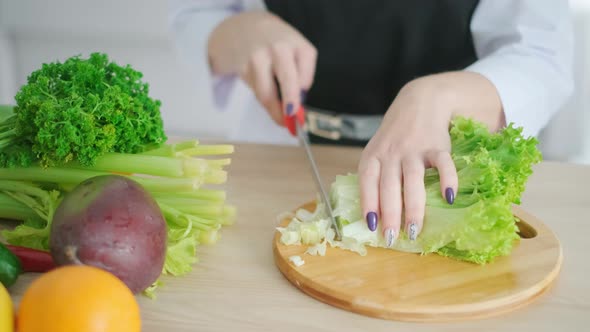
(372, 221)
(413, 232)
(390, 237)
(289, 109)
(450, 195)
(303, 96)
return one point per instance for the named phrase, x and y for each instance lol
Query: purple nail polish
(372, 221)
(450, 195)
(289, 109)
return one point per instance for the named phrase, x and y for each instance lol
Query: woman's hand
(259, 47)
(414, 135)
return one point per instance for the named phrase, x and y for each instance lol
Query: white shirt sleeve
(191, 23)
(525, 48)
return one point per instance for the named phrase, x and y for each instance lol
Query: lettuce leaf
(38, 206)
(493, 169)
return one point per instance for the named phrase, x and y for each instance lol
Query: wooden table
(237, 287)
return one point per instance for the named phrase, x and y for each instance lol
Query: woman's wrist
(458, 94)
(432, 95)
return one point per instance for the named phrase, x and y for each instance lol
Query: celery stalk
(153, 165)
(75, 176)
(219, 162)
(12, 209)
(6, 142)
(203, 194)
(211, 149)
(170, 150)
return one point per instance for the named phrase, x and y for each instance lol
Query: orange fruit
(76, 298)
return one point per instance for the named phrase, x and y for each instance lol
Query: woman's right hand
(259, 47)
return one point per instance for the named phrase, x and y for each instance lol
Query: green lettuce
(493, 169)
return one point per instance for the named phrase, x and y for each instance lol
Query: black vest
(369, 49)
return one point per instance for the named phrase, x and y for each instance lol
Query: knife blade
(302, 135)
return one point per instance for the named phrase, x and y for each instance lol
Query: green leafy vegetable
(173, 176)
(87, 117)
(493, 169)
(37, 206)
(79, 110)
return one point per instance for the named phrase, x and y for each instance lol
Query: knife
(295, 124)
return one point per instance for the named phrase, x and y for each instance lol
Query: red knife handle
(290, 123)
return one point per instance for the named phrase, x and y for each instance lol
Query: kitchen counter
(237, 287)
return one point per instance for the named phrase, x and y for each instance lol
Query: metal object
(334, 126)
(316, 119)
(316, 175)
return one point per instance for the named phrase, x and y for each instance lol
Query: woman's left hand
(413, 136)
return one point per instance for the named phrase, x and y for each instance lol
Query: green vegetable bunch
(176, 176)
(492, 168)
(79, 110)
(90, 117)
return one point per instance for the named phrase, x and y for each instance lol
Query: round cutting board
(428, 288)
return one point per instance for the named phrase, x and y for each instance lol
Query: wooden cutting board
(427, 288)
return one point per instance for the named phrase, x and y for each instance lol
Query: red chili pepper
(33, 260)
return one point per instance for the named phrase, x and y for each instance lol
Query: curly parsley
(79, 110)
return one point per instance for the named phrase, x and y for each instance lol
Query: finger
(261, 80)
(390, 200)
(369, 171)
(414, 196)
(449, 182)
(306, 57)
(247, 76)
(284, 67)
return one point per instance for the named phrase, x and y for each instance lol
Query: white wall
(136, 32)
(568, 136)
(7, 67)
